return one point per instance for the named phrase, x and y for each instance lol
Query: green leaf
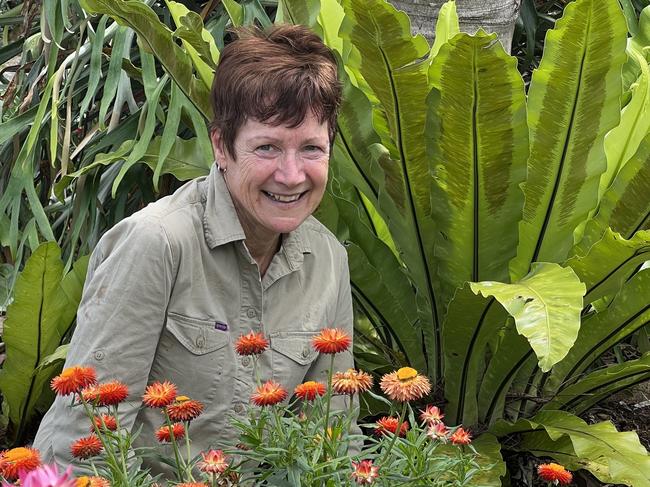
(446, 26)
(159, 40)
(31, 332)
(478, 144)
(546, 306)
(600, 385)
(628, 312)
(609, 263)
(573, 101)
(612, 456)
(57, 357)
(235, 12)
(493, 468)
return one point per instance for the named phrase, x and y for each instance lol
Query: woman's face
(277, 175)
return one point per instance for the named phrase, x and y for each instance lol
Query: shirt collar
(221, 224)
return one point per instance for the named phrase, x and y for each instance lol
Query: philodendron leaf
(546, 306)
(611, 455)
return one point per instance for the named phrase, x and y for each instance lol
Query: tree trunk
(492, 15)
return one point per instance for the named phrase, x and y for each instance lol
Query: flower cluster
(554, 473)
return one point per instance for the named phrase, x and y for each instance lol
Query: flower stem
(180, 468)
(189, 452)
(397, 432)
(108, 448)
(329, 399)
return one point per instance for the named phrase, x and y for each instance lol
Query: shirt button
(99, 355)
(200, 341)
(251, 313)
(246, 361)
(239, 408)
(306, 351)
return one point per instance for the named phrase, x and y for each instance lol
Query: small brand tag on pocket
(218, 325)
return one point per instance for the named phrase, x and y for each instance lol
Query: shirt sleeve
(342, 361)
(119, 322)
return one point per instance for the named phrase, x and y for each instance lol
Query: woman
(172, 287)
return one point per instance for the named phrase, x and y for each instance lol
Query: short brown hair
(275, 76)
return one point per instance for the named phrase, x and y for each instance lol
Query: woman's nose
(290, 171)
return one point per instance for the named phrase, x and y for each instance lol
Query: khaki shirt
(168, 292)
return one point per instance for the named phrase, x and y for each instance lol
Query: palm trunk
(492, 15)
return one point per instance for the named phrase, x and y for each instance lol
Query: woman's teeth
(282, 197)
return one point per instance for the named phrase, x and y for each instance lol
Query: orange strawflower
(213, 461)
(86, 447)
(86, 481)
(159, 394)
(164, 433)
(388, 424)
(13, 461)
(405, 385)
(438, 431)
(351, 382)
(431, 415)
(331, 341)
(184, 409)
(106, 394)
(269, 394)
(308, 391)
(461, 436)
(552, 472)
(109, 422)
(364, 473)
(251, 344)
(73, 379)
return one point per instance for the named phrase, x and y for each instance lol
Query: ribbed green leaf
(235, 12)
(32, 331)
(612, 456)
(491, 461)
(478, 144)
(629, 311)
(609, 263)
(471, 322)
(573, 101)
(446, 26)
(158, 40)
(391, 63)
(601, 384)
(625, 206)
(546, 306)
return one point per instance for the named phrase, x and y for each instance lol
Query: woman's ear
(218, 148)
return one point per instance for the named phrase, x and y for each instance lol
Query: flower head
(184, 409)
(159, 394)
(552, 472)
(73, 379)
(251, 344)
(331, 341)
(388, 424)
(406, 384)
(13, 461)
(106, 394)
(269, 394)
(431, 415)
(46, 475)
(164, 433)
(92, 482)
(364, 472)
(438, 431)
(351, 382)
(461, 436)
(308, 391)
(105, 421)
(86, 447)
(213, 461)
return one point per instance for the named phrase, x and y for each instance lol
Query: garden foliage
(496, 237)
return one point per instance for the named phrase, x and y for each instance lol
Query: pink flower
(45, 476)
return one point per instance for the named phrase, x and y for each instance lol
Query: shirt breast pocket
(292, 355)
(193, 355)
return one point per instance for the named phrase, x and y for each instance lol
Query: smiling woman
(171, 288)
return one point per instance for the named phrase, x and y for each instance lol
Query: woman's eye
(265, 147)
(313, 148)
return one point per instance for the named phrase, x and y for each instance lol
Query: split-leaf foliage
(496, 237)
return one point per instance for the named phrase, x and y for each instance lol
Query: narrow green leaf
(546, 306)
(446, 26)
(235, 12)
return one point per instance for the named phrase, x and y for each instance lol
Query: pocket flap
(198, 336)
(295, 344)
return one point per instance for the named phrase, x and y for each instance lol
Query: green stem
(180, 467)
(329, 399)
(105, 444)
(189, 451)
(397, 432)
(125, 469)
